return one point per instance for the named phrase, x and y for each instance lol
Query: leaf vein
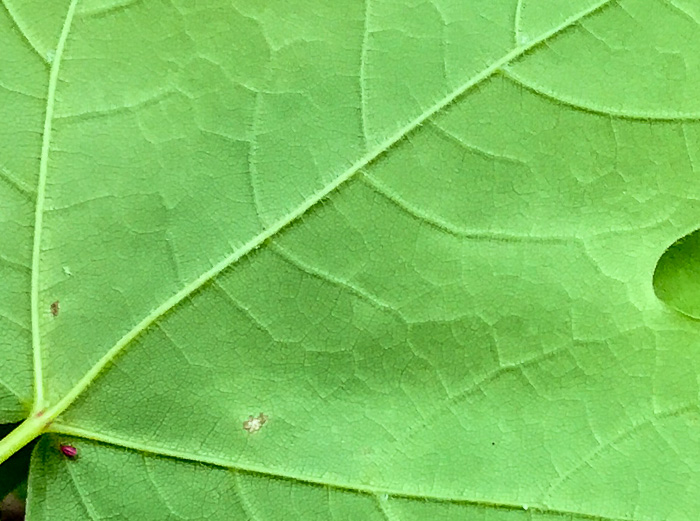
(12, 391)
(245, 504)
(518, 21)
(22, 31)
(358, 292)
(16, 184)
(40, 201)
(456, 231)
(384, 508)
(94, 516)
(587, 460)
(311, 202)
(600, 111)
(363, 74)
(217, 461)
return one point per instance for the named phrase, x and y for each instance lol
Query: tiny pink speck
(69, 451)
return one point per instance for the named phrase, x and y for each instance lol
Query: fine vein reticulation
(40, 418)
(281, 224)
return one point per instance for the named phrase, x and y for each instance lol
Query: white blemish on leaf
(253, 424)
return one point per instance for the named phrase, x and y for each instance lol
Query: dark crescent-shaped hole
(677, 275)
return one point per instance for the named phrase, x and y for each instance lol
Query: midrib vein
(282, 223)
(39, 208)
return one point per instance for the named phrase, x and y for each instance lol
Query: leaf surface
(420, 238)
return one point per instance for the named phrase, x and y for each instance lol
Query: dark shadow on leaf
(13, 477)
(677, 275)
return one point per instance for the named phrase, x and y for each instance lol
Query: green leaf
(418, 239)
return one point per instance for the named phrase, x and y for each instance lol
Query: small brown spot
(253, 424)
(55, 308)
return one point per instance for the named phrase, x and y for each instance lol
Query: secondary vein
(307, 205)
(147, 449)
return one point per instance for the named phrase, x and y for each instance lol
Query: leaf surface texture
(420, 237)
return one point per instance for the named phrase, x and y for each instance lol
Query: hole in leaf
(677, 275)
